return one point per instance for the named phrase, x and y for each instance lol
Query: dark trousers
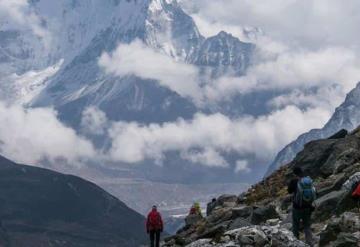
(303, 215)
(154, 238)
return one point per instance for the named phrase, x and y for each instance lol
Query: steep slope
(346, 116)
(262, 215)
(40, 207)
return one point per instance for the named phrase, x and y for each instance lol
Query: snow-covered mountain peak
(170, 30)
(158, 5)
(226, 53)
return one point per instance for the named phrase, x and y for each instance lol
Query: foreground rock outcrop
(262, 215)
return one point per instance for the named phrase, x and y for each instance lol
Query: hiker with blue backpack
(304, 194)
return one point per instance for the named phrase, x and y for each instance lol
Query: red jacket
(154, 221)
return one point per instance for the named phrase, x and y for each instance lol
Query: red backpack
(356, 192)
(154, 221)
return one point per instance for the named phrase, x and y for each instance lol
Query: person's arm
(292, 186)
(147, 224)
(161, 223)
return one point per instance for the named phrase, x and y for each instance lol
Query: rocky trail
(262, 215)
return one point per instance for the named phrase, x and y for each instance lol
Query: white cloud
(21, 13)
(308, 23)
(33, 135)
(298, 69)
(138, 59)
(93, 121)
(242, 166)
(261, 137)
(208, 157)
(293, 70)
(326, 98)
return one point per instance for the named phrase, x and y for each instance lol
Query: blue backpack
(306, 192)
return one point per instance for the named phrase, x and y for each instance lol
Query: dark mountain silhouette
(39, 207)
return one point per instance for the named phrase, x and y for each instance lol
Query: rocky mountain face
(262, 215)
(162, 25)
(40, 207)
(346, 117)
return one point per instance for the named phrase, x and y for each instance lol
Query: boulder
(215, 231)
(346, 159)
(273, 222)
(346, 203)
(340, 134)
(327, 204)
(351, 181)
(281, 237)
(176, 241)
(229, 204)
(242, 197)
(262, 214)
(238, 223)
(344, 152)
(227, 200)
(201, 243)
(348, 222)
(328, 156)
(220, 214)
(192, 219)
(264, 236)
(251, 236)
(330, 233)
(346, 239)
(243, 212)
(332, 183)
(313, 156)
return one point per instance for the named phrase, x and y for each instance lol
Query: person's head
(213, 200)
(298, 172)
(154, 208)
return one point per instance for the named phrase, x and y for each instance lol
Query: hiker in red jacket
(154, 226)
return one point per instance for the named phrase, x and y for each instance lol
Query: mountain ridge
(40, 206)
